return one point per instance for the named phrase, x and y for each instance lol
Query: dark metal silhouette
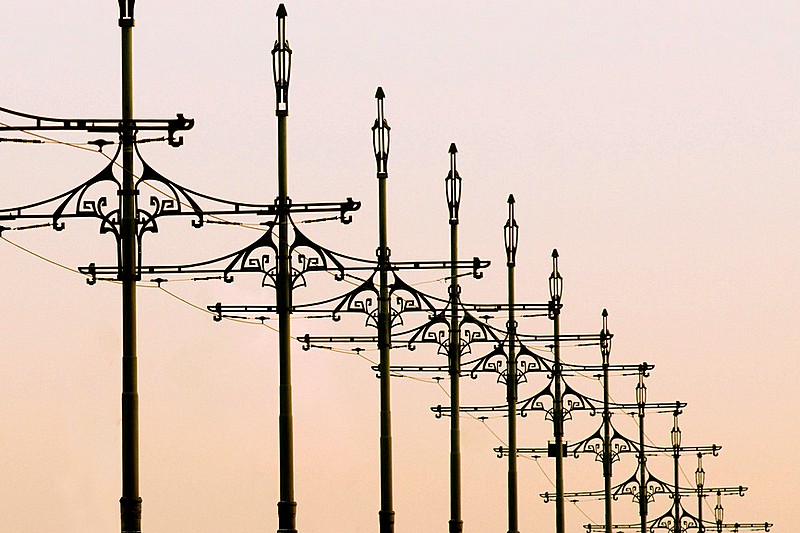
(677, 518)
(283, 256)
(453, 194)
(123, 222)
(102, 125)
(511, 240)
(395, 299)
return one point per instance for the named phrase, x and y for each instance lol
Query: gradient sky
(656, 146)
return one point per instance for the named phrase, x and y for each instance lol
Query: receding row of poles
(271, 256)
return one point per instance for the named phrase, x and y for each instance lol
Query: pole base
(130, 514)
(287, 513)
(456, 526)
(386, 519)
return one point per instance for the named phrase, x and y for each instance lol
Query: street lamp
(453, 192)
(380, 145)
(605, 352)
(511, 239)
(675, 437)
(130, 502)
(641, 402)
(675, 432)
(511, 234)
(452, 186)
(281, 65)
(380, 136)
(556, 286)
(700, 481)
(719, 512)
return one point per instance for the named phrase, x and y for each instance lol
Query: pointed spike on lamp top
(555, 254)
(379, 93)
(453, 148)
(511, 198)
(605, 313)
(281, 13)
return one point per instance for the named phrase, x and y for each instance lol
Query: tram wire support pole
(605, 351)
(130, 502)
(380, 144)
(281, 71)
(675, 437)
(453, 193)
(511, 235)
(641, 403)
(124, 224)
(556, 286)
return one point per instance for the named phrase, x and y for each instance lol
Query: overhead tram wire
(356, 352)
(217, 218)
(153, 284)
(253, 322)
(686, 477)
(157, 284)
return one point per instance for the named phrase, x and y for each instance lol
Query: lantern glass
(700, 474)
(511, 233)
(641, 392)
(605, 339)
(281, 67)
(452, 186)
(556, 282)
(511, 237)
(675, 433)
(380, 142)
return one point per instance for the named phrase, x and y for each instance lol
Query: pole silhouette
(453, 191)
(556, 285)
(511, 239)
(130, 502)
(380, 139)
(605, 351)
(281, 69)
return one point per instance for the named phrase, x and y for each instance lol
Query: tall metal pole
(556, 288)
(675, 434)
(281, 66)
(511, 235)
(605, 350)
(130, 502)
(453, 191)
(380, 140)
(641, 400)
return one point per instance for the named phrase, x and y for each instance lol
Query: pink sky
(656, 146)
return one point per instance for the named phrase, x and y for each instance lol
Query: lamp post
(130, 503)
(361, 298)
(605, 351)
(556, 286)
(641, 403)
(281, 69)
(511, 238)
(380, 144)
(453, 193)
(675, 437)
